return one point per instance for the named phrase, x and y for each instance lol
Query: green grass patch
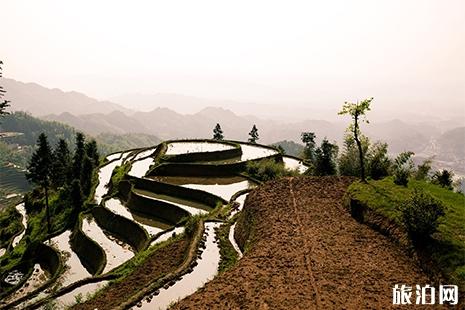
(228, 254)
(10, 223)
(448, 244)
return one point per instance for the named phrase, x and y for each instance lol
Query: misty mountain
(40, 101)
(115, 122)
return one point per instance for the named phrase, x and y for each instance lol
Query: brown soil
(305, 251)
(163, 261)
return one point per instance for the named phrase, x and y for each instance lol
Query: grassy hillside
(448, 247)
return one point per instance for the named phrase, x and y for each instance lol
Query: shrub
(423, 170)
(420, 215)
(443, 178)
(378, 162)
(403, 165)
(268, 169)
(401, 177)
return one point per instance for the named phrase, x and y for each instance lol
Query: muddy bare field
(305, 251)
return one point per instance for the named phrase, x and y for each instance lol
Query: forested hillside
(17, 148)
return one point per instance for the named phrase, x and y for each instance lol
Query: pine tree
(325, 156)
(78, 155)
(3, 103)
(218, 133)
(86, 175)
(40, 169)
(76, 197)
(61, 168)
(92, 152)
(253, 134)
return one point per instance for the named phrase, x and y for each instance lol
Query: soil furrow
(305, 251)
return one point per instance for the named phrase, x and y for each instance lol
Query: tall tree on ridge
(309, 151)
(357, 111)
(61, 167)
(78, 157)
(218, 133)
(253, 134)
(40, 170)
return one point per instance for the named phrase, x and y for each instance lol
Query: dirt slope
(307, 252)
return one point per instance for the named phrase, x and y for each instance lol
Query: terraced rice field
(12, 182)
(117, 251)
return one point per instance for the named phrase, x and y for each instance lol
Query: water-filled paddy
(150, 224)
(116, 252)
(139, 168)
(22, 210)
(176, 148)
(206, 269)
(114, 156)
(144, 154)
(241, 201)
(233, 240)
(104, 176)
(74, 270)
(190, 206)
(294, 164)
(250, 152)
(36, 280)
(83, 293)
(165, 236)
(223, 187)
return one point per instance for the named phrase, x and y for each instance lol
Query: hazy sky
(321, 52)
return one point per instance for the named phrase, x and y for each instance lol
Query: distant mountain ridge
(40, 101)
(96, 117)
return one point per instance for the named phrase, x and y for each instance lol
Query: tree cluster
(59, 170)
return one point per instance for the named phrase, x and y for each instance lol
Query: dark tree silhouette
(3, 103)
(40, 169)
(86, 175)
(218, 133)
(61, 168)
(325, 158)
(253, 134)
(308, 138)
(76, 197)
(79, 153)
(92, 152)
(357, 111)
(443, 178)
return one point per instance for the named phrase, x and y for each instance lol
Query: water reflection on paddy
(190, 206)
(38, 278)
(83, 292)
(176, 148)
(22, 210)
(223, 187)
(150, 224)
(205, 271)
(117, 252)
(74, 270)
(139, 168)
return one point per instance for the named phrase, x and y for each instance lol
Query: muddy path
(305, 251)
